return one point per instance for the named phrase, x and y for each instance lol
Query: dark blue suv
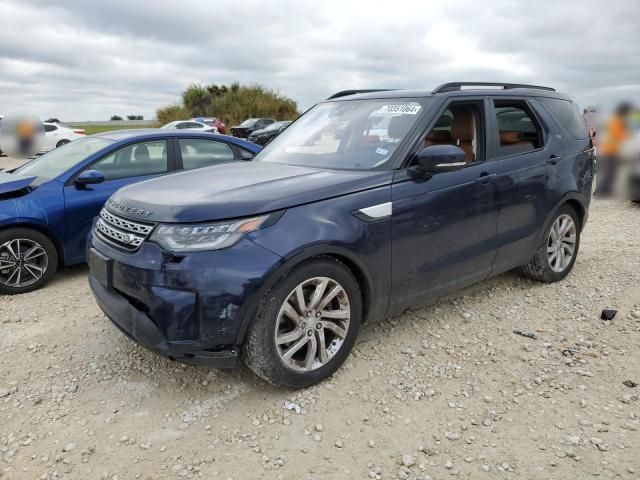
(370, 203)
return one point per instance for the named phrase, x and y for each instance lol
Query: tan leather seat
(439, 137)
(513, 142)
(463, 131)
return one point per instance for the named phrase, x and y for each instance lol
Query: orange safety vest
(615, 134)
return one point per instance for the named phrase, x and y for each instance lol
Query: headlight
(207, 236)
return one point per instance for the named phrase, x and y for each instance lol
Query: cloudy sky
(84, 60)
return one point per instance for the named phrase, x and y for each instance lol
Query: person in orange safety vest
(616, 133)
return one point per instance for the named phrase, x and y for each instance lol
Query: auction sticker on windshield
(402, 109)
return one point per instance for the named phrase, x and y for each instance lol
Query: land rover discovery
(279, 261)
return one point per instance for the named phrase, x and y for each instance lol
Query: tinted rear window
(567, 114)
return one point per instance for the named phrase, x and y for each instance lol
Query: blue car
(279, 262)
(48, 204)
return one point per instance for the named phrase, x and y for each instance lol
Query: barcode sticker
(401, 109)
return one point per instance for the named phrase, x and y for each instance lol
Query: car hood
(263, 131)
(237, 189)
(12, 183)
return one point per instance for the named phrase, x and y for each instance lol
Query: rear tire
(28, 260)
(306, 325)
(62, 142)
(558, 250)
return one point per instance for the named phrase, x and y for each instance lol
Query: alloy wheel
(23, 262)
(561, 243)
(312, 324)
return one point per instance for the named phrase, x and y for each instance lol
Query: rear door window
(518, 128)
(198, 153)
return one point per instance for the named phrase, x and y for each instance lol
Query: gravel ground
(8, 163)
(440, 391)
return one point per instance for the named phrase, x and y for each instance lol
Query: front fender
(330, 228)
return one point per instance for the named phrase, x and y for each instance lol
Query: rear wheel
(28, 260)
(557, 252)
(306, 326)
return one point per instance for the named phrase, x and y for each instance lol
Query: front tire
(28, 260)
(62, 142)
(306, 325)
(557, 252)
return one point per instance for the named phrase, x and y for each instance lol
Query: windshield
(248, 122)
(61, 159)
(170, 125)
(349, 134)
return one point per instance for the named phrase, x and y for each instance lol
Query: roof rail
(457, 86)
(344, 93)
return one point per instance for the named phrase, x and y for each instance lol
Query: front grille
(121, 232)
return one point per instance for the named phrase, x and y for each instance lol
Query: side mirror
(89, 177)
(441, 158)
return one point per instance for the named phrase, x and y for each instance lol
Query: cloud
(77, 60)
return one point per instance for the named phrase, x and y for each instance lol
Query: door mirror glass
(89, 177)
(441, 158)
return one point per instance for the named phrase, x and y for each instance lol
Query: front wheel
(62, 142)
(306, 326)
(28, 260)
(557, 252)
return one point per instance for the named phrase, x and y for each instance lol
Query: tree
(52, 120)
(135, 117)
(242, 102)
(233, 104)
(115, 118)
(197, 100)
(171, 113)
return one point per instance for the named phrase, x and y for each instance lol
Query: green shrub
(232, 104)
(171, 113)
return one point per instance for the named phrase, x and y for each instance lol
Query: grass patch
(91, 129)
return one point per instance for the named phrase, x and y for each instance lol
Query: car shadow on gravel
(198, 380)
(69, 273)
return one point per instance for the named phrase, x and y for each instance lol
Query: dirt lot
(448, 390)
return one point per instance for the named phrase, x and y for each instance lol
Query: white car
(56, 135)
(190, 125)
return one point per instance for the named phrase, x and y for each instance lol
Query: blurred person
(616, 132)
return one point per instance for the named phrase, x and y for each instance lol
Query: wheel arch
(579, 208)
(355, 265)
(575, 201)
(44, 231)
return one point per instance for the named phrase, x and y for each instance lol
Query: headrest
(141, 154)
(400, 125)
(509, 137)
(439, 136)
(463, 126)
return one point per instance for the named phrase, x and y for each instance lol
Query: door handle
(485, 178)
(553, 159)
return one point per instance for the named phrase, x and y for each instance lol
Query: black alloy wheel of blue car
(306, 325)
(28, 260)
